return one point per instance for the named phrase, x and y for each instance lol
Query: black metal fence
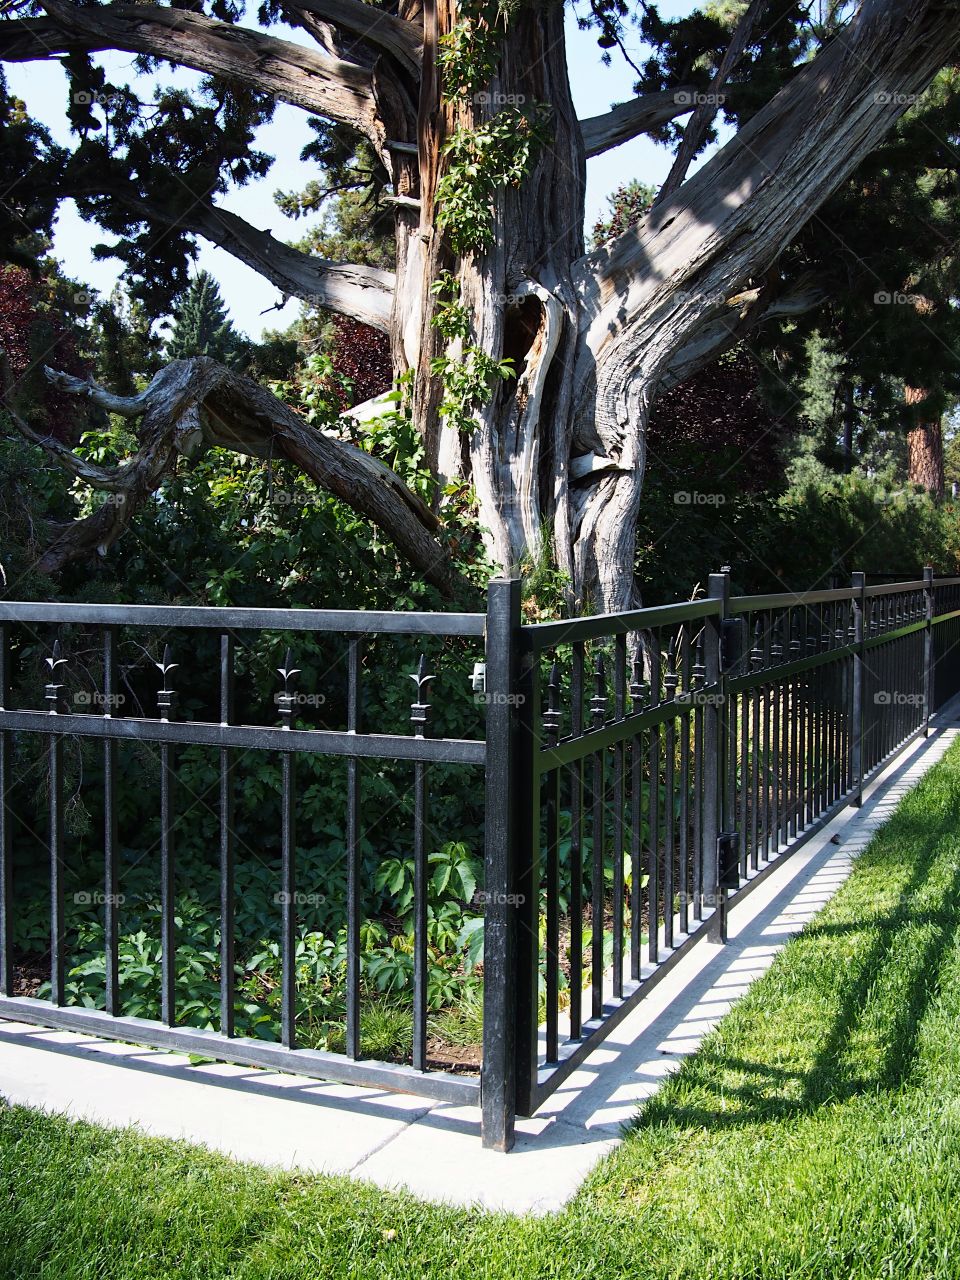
(633, 772)
(660, 762)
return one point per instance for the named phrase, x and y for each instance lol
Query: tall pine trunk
(924, 446)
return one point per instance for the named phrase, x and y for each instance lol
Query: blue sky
(42, 85)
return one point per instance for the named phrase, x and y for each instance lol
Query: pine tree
(201, 326)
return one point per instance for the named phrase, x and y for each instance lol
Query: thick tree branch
(192, 404)
(648, 292)
(698, 126)
(395, 37)
(364, 293)
(338, 90)
(746, 312)
(630, 119)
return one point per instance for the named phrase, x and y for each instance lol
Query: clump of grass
(461, 1024)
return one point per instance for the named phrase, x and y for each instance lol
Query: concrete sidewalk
(432, 1149)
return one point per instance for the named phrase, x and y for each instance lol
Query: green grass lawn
(816, 1134)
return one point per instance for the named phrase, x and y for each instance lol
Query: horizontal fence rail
(622, 777)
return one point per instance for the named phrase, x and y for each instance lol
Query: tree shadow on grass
(763, 1097)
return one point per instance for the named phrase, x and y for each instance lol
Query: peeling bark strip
(593, 338)
(194, 404)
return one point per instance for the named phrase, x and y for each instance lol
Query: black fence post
(858, 584)
(498, 1082)
(927, 647)
(714, 752)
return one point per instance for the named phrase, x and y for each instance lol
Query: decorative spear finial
(166, 697)
(420, 710)
(776, 644)
(598, 703)
(639, 688)
(699, 669)
(552, 716)
(286, 700)
(671, 679)
(756, 653)
(794, 636)
(53, 691)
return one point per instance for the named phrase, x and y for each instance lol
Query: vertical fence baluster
(6, 827)
(699, 679)
(756, 666)
(639, 691)
(786, 718)
(288, 868)
(166, 702)
(227, 847)
(683, 820)
(576, 849)
(776, 659)
(419, 712)
(598, 713)
(54, 694)
(669, 825)
(796, 729)
(354, 859)
(718, 589)
(809, 625)
(111, 884)
(744, 772)
(653, 812)
(857, 585)
(551, 735)
(620, 710)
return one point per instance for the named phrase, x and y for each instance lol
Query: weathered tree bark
(558, 452)
(924, 445)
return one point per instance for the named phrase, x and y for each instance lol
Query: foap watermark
(484, 99)
(712, 298)
(885, 298)
(301, 699)
(691, 98)
(488, 898)
(693, 498)
(106, 701)
(89, 98)
(894, 698)
(484, 699)
(284, 498)
(299, 899)
(97, 898)
(884, 99)
(700, 698)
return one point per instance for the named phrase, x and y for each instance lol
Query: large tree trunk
(519, 292)
(924, 445)
(558, 450)
(562, 448)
